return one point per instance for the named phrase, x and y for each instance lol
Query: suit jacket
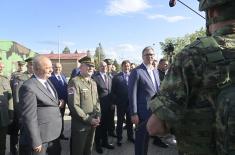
(104, 91)
(41, 118)
(141, 89)
(120, 90)
(60, 87)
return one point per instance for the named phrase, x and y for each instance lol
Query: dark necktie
(60, 80)
(106, 81)
(49, 88)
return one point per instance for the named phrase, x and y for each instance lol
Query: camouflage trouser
(3, 133)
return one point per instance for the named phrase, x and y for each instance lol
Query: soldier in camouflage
(19, 71)
(185, 104)
(17, 81)
(6, 108)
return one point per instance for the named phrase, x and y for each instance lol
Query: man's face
(126, 67)
(103, 67)
(148, 56)
(20, 68)
(58, 68)
(1, 66)
(45, 69)
(109, 68)
(86, 70)
(30, 67)
(163, 65)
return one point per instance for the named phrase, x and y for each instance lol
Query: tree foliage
(99, 55)
(66, 50)
(117, 65)
(180, 42)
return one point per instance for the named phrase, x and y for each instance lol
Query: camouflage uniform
(6, 111)
(187, 94)
(14, 127)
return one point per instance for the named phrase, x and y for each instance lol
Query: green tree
(117, 65)
(99, 55)
(180, 42)
(66, 50)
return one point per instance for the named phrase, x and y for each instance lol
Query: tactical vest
(211, 136)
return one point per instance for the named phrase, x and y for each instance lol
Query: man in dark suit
(60, 83)
(120, 97)
(111, 123)
(104, 83)
(40, 114)
(143, 84)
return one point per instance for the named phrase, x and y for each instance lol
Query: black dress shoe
(158, 142)
(119, 143)
(63, 137)
(112, 134)
(108, 146)
(99, 150)
(132, 140)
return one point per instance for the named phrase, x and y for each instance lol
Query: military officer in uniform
(6, 108)
(84, 106)
(19, 71)
(17, 81)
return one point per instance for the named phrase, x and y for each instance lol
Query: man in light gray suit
(40, 114)
(143, 83)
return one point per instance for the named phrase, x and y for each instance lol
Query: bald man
(39, 111)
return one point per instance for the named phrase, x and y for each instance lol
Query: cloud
(125, 52)
(119, 7)
(170, 19)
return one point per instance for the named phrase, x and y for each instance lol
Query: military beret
(108, 61)
(29, 59)
(21, 63)
(87, 60)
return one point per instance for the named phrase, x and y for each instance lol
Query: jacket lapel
(147, 76)
(45, 91)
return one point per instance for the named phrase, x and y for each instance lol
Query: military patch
(71, 90)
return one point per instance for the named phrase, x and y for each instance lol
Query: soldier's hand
(38, 148)
(135, 119)
(95, 122)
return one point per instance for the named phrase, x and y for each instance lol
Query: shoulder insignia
(71, 90)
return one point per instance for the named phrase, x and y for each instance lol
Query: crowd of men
(38, 96)
(194, 98)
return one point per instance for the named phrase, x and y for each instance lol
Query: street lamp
(58, 26)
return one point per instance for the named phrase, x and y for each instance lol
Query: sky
(123, 27)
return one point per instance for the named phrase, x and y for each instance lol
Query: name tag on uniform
(84, 90)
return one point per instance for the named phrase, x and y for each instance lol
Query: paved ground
(127, 148)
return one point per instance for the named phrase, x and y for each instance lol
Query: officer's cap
(87, 60)
(21, 63)
(30, 59)
(108, 61)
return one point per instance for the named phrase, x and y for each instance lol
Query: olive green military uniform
(6, 111)
(84, 105)
(14, 127)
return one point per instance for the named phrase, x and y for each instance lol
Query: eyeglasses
(149, 54)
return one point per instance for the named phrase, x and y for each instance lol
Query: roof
(73, 56)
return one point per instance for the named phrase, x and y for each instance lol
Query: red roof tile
(73, 56)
